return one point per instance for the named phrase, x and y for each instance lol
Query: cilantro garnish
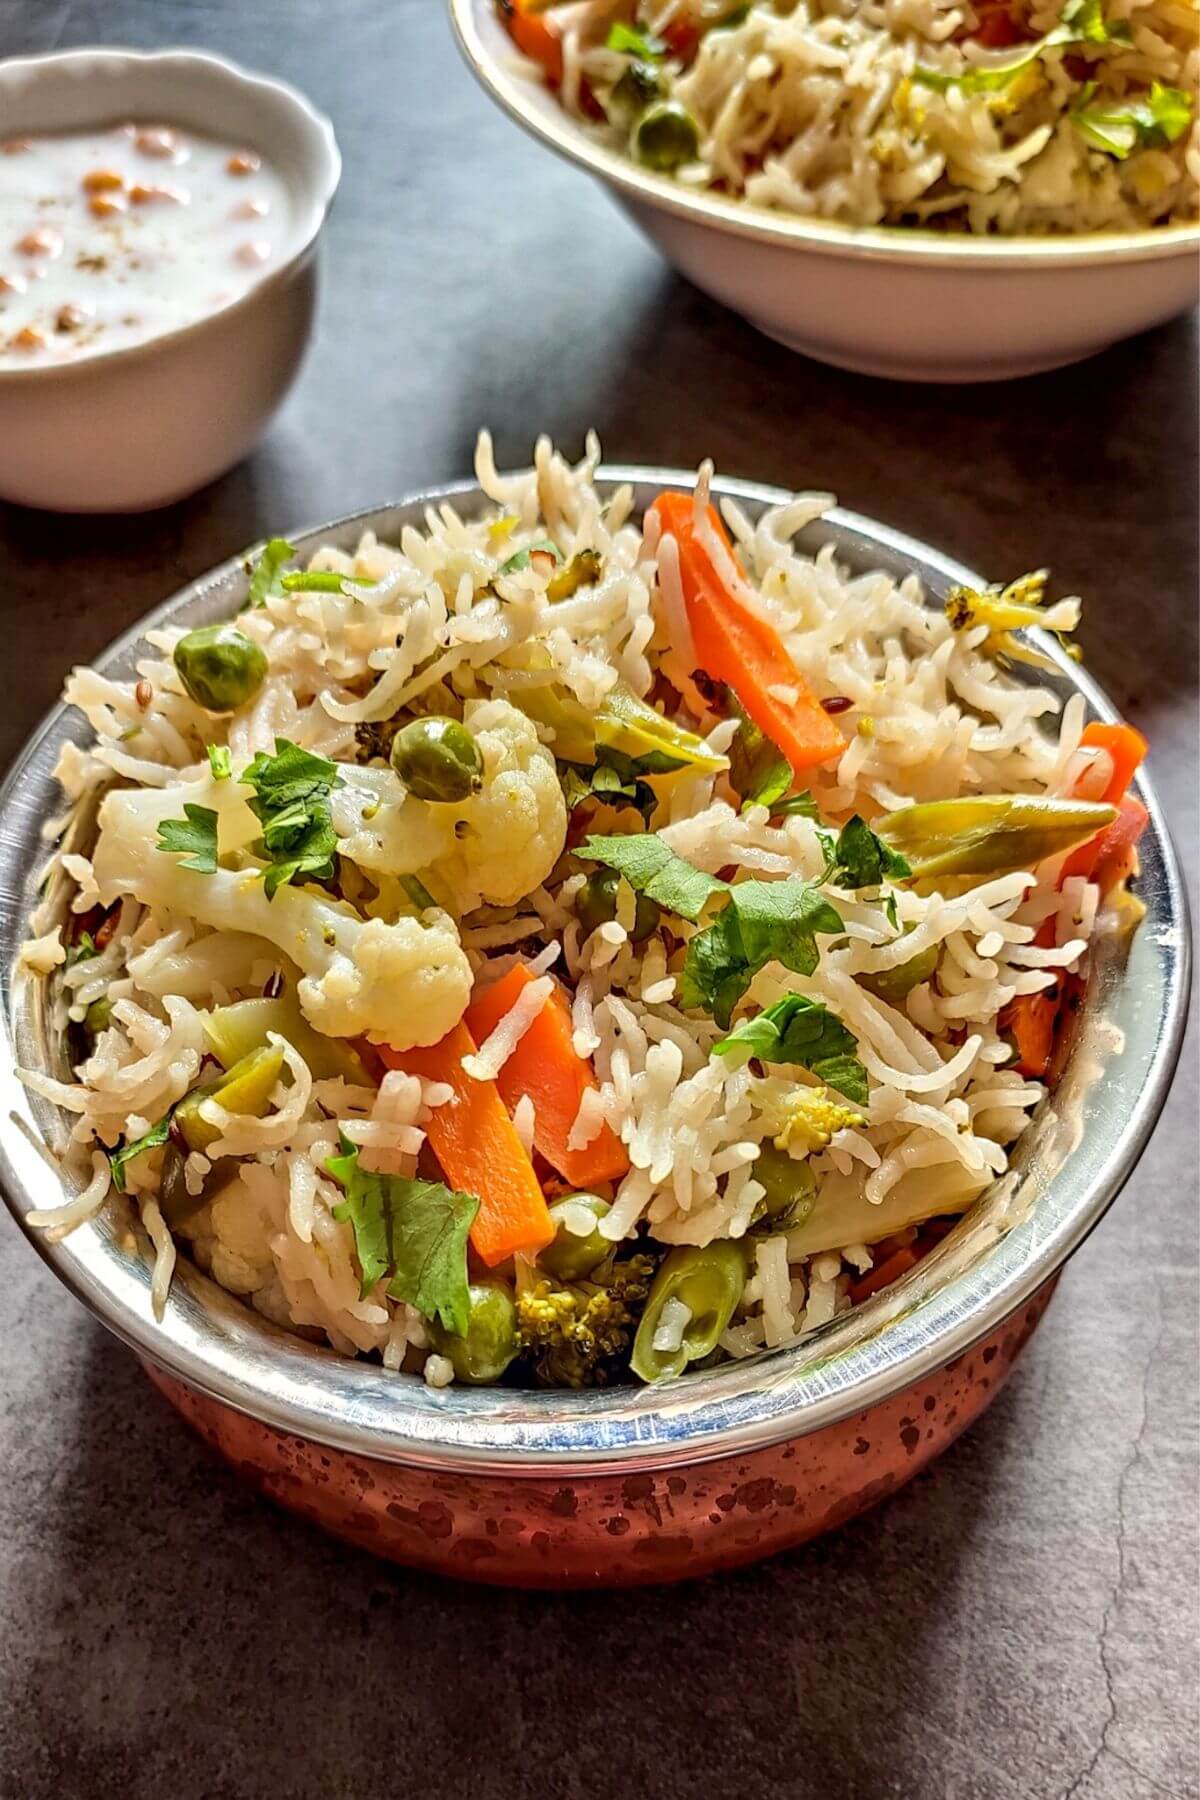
(805, 1032)
(759, 772)
(118, 1160)
(1080, 22)
(862, 860)
(629, 42)
(291, 801)
(613, 781)
(652, 869)
(413, 1230)
(195, 835)
(520, 558)
(765, 921)
(264, 575)
(82, 950)
(1120, 129)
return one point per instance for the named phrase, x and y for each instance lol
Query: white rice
(819, 109)
(943, 1109)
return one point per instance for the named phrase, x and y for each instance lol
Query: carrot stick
(738, 646)
(897, 1264)
(534, 36)
(1127, 747)
(480, 1153)
(544, 1066)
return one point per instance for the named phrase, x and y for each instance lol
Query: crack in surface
(1115, 1597)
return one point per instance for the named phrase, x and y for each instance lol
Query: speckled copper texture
(616, 1530)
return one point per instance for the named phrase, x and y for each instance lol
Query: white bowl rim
(502, 79)
(860, 1359)
(309, 226)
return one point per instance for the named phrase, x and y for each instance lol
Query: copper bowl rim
(1071, 1164)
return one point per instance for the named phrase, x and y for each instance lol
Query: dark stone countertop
(1020, 1622)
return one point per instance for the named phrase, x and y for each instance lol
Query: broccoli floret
(813, 1115)
(578, 1335)
(1017, 607)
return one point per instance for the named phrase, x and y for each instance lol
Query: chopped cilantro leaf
(82, 950)
(805, 1032)
(119, 1160)
(759, 772)
(411, 1230)
(264, 576)
(765, 921)
(1120, 129)
(629, 42)
(195, 834)
(520, 558)
(862, 860)
(652, 869)
(291, 800)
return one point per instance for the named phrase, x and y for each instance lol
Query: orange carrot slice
(534, 35)
(480, 1153)
(897, 1264)
(736, 645)
(545, 1066)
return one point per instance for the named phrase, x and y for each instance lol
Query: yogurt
(112, 236)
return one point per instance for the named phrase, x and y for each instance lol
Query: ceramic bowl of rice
(944, 190)
(573, 1021)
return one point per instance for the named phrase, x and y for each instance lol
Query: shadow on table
(200, 1642)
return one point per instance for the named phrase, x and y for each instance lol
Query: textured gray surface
(1020, 1623)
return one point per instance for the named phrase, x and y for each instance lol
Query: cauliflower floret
(812, 1116)
(497, 846)
(402, 984)
(517, 824)
(232, 1238)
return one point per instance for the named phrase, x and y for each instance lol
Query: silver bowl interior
(1081, 1147)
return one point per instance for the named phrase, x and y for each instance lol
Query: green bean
(666, 136)
(232, 1032)
(709, 1283)
(174, 1201)
(596, 904)
(220, 668)
(569, 1256)
(245, 1088)
(437, 759)
(790, 1187)
(989, 834)
(489, 1343)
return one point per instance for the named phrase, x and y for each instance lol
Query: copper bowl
(624, 1484)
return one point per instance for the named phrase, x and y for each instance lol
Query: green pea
(98, 1016)
(437, 759)
(489, 1343)
(709, 1283)
(666, 136)
(219, 667)
(569, 1257)
(790, 1187)
(894, 984)
(596, 904)
(639, 86)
